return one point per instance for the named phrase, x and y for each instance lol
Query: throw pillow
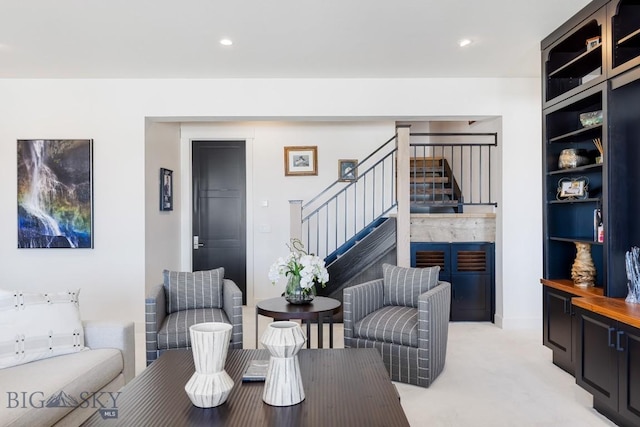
(402, 285)
(185, 290)
(36, 326)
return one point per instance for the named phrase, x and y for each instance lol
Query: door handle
(196, 243)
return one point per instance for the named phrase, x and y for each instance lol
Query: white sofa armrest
(113, 334)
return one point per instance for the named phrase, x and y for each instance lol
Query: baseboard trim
(518, 323)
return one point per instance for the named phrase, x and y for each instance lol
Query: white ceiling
(275, 38)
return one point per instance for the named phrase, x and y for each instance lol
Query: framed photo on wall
(166, 189)
(347, 169)
(300, 160)
(55, 193)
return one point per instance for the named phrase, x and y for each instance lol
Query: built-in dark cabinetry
(599, 336)
(576, 59)
(624, 34)
(558, 327)
(608, 365)
(607, 199)
(469, 267)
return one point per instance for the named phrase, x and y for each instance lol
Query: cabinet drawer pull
(619, 335)
(610, 341)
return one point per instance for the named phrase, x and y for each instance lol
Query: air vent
(429, 259)
(472, 261)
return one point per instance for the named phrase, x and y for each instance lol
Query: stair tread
(429, 179)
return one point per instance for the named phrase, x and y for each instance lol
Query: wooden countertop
(568, 286)
(592, 299)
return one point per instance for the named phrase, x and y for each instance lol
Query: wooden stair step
(425, 161)
(429, 179)
(430, 190)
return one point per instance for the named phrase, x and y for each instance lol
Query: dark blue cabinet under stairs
(470, 269)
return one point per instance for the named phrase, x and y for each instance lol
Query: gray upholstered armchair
(184, 299)
(405, 315)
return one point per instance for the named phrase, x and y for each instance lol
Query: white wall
(113, 113)
(162, 228)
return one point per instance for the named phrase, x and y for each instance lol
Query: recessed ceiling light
(464, 42)
(226, 42)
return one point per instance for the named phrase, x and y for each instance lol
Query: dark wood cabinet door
(597, 358)
(628, 346)
(557, 327)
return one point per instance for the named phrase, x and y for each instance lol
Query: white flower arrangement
(310, 268)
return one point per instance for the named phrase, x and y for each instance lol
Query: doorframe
(186, 207)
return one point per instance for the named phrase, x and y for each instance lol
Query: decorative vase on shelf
(583, 271)
(296, 294)
(210, 385)
(283, 383)
(633, 275)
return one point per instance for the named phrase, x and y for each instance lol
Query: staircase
(433, 187)
(362, 260)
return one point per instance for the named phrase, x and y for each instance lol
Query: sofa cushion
(402, 285)
(186, 290)
(174, 332)
(35, 326)
(69, 379)
(391, 324)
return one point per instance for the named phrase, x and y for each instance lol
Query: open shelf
(574, 201)
(580, 132)
(576, 239)
(589, 60)
(580, 169)
(631, 39)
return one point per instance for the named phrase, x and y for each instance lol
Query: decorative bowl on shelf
(591, 118)
(572, 158)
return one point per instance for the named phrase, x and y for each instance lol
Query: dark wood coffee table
(343, 387)
(280, 309)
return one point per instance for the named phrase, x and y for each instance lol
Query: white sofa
(76, 384)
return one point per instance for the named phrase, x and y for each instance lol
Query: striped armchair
(167, 326)
(411, 340)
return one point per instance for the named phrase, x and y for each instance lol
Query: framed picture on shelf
(300, 161)
(593, 42)
(347, 169)
(573, 188)
(166, 189)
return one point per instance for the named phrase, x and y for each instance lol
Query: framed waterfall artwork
(55, 193)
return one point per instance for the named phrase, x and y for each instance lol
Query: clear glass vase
(295, 294)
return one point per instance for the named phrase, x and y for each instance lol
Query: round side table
(280, 309)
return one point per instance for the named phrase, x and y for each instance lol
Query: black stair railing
(445, 176)
(338, 214)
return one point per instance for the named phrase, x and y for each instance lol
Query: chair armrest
(155, 311)
(434, 307)
(359, 301)
(232, 306)
(113, 334)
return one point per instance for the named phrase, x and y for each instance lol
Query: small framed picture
(347, 169)
(166, 189)
(593, 42)
(300, 161)
(573, 188)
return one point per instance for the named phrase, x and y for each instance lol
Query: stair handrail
(338, 181)
(358, 203)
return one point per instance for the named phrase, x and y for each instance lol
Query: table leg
(256, 327)
(331, 331)
(320, 330)
(308, 333)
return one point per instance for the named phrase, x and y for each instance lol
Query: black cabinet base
(612, 414)
(560, 360)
